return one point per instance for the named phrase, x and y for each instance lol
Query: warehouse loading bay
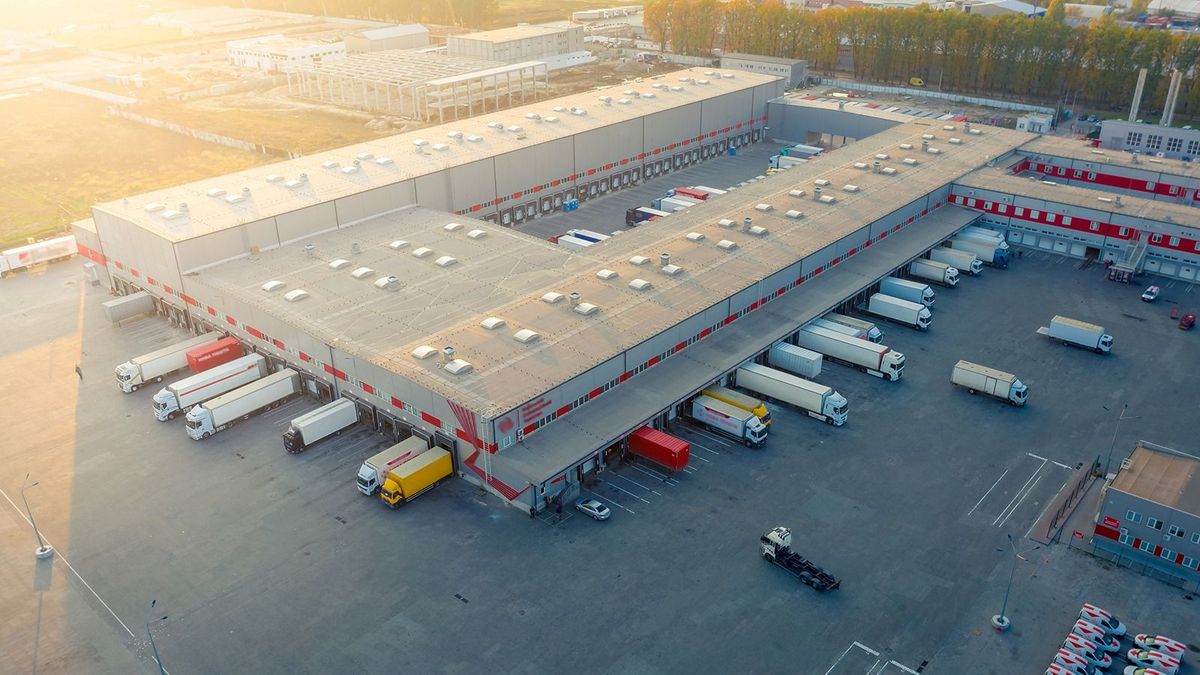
(276, 563)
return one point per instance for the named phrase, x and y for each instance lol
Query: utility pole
(44, 550)
(153, 645)
(1001, 621)
(1116, 428)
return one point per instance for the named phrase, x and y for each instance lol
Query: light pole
(43, 550)
(1113, 443)
(1001, 621)
(153, 645)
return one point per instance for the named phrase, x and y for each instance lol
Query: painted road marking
(655, 474)
(1014, 510)
(988, 492)
(1021, 494)
(704, 448)
(613, 502)
(871, 659)
(637, 484)
(894, 665)
(1036, 457)
(619, 489)
(855, 645)
(1068, 468)
(1048, 503)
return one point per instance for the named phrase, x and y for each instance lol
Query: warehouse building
(401, 36)
(1150, 512)
(523, 42)
(793, 71)
(279, 54)
(1152, 140)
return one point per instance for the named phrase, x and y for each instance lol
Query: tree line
(468, 13)
(1009, 56)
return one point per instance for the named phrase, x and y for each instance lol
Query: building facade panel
(670, 126)
(358, 207)
(137, 256)
(600, 152)
(215, 247)
(726, 113)
(306, 222)
(531, 171)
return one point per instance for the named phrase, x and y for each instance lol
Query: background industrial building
(518, 43)
(280, 54)
(793, 71)
(401, 36)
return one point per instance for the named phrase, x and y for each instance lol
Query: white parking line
(638, 484)
(1047, 506)
(1020, 494)
(701, 459)
(655, 474)
(988, 492)
(614, 502)
(1068, 468)
(1035, 456)
(1014, 509)
(859, 645)
(695, 444)
(619, 489)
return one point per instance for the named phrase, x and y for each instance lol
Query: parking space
(859, 659)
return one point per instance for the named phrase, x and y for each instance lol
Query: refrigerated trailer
(913, 291)
(937, 272)
(874, 334)
(331, 418)
(798, 360)
(869, 357)
(816, 400)
(963, 261)
(842, 328)
(573, 243)
(218, 414)
(139, 370)
(209, 384)
(728, 420)
(1004, 386)
(912, 314)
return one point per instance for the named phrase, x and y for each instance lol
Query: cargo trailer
(45, 251)
(711, 191)
(913, 291)
(690, 193)
(740, 400)
(139, 370)
(874, 334)
(856, 333)
(573, 243)
(373, 472)
(588, 235)
(209, 384)
(328, 420)
(975, 378)
(1078, 333)
(912, 314)
(212, 355)
(931, 270)
(663, 449)
(798, 360)
(816, 400)
(963, 261)
(869, 357)
(415, 477)
(728, 420)
(218, 414)
(987, 252)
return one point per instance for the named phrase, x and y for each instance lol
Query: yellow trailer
(739, 400)
(408, 480)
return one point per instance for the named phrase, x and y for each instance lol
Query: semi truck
(1078, 333)
(913, 291)
(872, 331)
(728, 420)
(588, 235)
(711, 191)
(663, 449)
(987, 252)
(975, 378)
(139, 370)
(573, 243)
(211, 383)
(798, 360)
(45, 251)
(218, 414)
(912, 314)
(816, 400)
(869, 357)
(690, 193)
(985, 233)
(212, 355)
(642, 214)
(937, 272)
(415, 477)
(740, 400)
(776, 548)
(673, 203)
(963, 261)
(329, 419)
(373, 472)
(857, 333)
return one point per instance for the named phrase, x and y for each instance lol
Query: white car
(1096, 634)
(1098, 617)
(1071, 660)
(1089, 650)
(1134, 670)
(1156, 660)
(1159, 643)
(1056, 669)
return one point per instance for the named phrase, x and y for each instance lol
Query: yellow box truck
(739, 400)
(423, 472)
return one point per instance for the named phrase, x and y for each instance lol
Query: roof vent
(296, 295)
(860, 165)
(476, 234)
(794, 214)
(606, 274)
(624, 101)
(440, 147)
(639, 284)
(496, 125)
(935, 151)
(215, 192)
(420, 142)
(172, 214)
(559, 108)
(725, 222)
(821, 181)
(492, 323)
(362, 272)
(293, 184)
(455, 136)
(364, 156)
(550, 119)
(639, 260)
(388, 283)
(762, 207)
(423, 352)
(657, 85)
(398, 244)
(956, 141)
(525, 336)
(928, 137)
(888, 171)
(445, 261)
(674, 88)
(452, 227)
(630, 92)
(552, 297)
(726, 244)
(421, 252)
(796, 193)
(948, 127)
(580, 112)
(474, 138)
(827, 199)
(695, 236)
(330, 164)
(701, 82)
(338, 263)
(533, 116)
(882, 155)
(383, 161)
(310, 250)
(349, 170)
(757, 231)
(649, 94)
(274, 178)
(606, 100)
(273, 285)
(585, 308)
(727, 76)
(575, 296)
(850, 188)
(671, 270)
(234, 199)
(906, 146)
(909, 161)
(975, 132)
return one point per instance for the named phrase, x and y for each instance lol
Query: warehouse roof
(513, 33)
(1001, 179)
(1070, 148)
(507, 276)
(393, 31)
(222, 202)
(1161, 475)
(762, 59)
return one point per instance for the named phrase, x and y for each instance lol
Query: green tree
(1057, 11)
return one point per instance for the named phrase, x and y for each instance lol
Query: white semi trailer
(221, 412)
(869, 357)
(913, 291)
(963, 261)
(874, 334)
(798, 360)
(729, 420)
(208, 384)
(156, 365)
(1078, 333)
(900, 311)
(816, 400)
(937, 272)
(315, 425)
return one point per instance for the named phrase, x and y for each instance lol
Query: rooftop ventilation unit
(639, 260)
(349, 170)
(935, 151)
(639, 284)
(606, 100)
(928, 137)
(558, 109)
(388, 283)
(383, 161)
(533, 116)
(215, 192)
(362, 272)
(821, 182)
(492, 323)
(310, 250)
(728, 76)
(695, 236)
(827, 199)
(709, 73)
(685, 78)
(702, 82)
(1106, 200)
(796, 193)
(762, 207)
(850, 188)
(671, 270)
(456, 136)
(955, 141)
(725, 222)
(398, 244)
(516, 129)
(676, 89)
(624, 101)
(649, 94)
(476, 234)
(294, 183)
(975, 132)
(273, 286)
(658, 85)
(423, 352)
(550, 119)
(817, 194)
(445, 261)
(888, 171)
(421, 252)
(906, 146)
(860, 165)
(580, 112)
(296, 295)
(909, 161)
(948, 127)
(606, 274)
(726, 244)
(452, 227)
(575, 296)
(585, 308)
(274, 178)
(757, 231)
(440, 147)
(1049, 182)
(794, 214)
(525, 336)
(172, 214)
(338, 263)
(882, 155)
(474, 138)
(552, 297)
(330, 164)
(364, 156)
(234, 199)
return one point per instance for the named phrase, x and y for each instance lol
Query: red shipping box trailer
(661, 448)
(224, 350)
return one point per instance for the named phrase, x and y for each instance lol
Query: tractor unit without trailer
(869, 357)
(776, 547)
(1078, 333)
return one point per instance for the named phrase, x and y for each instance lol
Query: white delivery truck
(208, 384)
(1078, 333)
(798, 360)
(588, 235)
(985, 233)
(816, 400)
(220, 413)
(986, 251)
(913, 291)
(869, 357)
(729, 420)
(963, 261)
(139, 370)
(836, 327)
(932, 270)
(374, 471)
(1004, 386)
(574, 243)
(872, 331)
(674, 203)
(912, 314)
(323, 422)
(711, 191)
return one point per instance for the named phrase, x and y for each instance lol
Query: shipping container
(208, 356)
(128, 305)
(659, 447)
(798, 360)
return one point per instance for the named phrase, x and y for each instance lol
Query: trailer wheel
(971, 390)
(245, 417)
(1099, 351)
(158, 379)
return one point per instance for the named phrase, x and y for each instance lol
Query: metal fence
(202, 135)
(1145, 568)
(942, 95)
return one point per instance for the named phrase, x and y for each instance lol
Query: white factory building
(383, 271)
(280, 54)
(400, 36)
(519, 43)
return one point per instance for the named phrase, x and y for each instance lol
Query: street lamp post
(44, 550)
(149, 634)
(1001, 621)
(1117, 428)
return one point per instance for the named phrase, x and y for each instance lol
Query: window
(1174, 189)
(987, 206)
(1167, 554)
(1133, 516)
(1134, 138)
(1062, 171)
(1077, 174)
(1154, 522)
(1091, 175)
(1196, 537)
(1050, 217)
(1034, 215)
(1154, 141)
(1003, 208)
(1175, 531)
(1196, 247)
(1066, 220)
(1123, 232)
(1173, 241)
(971, 203)
(1188, 561)
(1125, 538)
(1149, 185)
(1155, 238)
(1174, 144)
(1146, 546)
(1193, 148)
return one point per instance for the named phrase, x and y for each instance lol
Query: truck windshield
(159, 405)
(193, 424)
(363, 482)
(122, 376)
(841, 410)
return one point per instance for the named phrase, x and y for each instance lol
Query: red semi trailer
(661, 448)
(691, 192)
(224, 350)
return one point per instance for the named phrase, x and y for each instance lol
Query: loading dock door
(490, 218)
(722, 146)
(593, 189)
(546, 204)
(389, 425)
(518, 214)
(637, 175)
(506, 218)
(569, 194)
(531, 210)
(695, 155)
(557, 202)
(445, 442)
(603, 187)
(366, 411)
